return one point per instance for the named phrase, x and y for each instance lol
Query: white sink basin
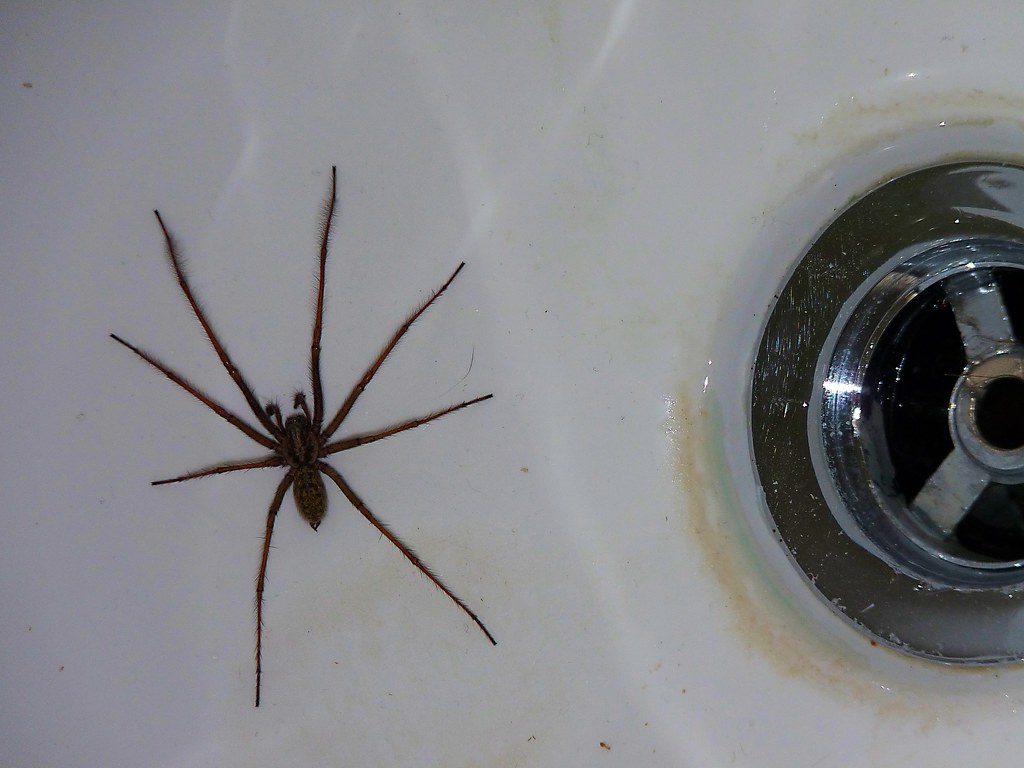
(629, 185)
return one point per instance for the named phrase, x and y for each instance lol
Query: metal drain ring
(934, 244)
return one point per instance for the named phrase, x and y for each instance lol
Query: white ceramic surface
(629, 184)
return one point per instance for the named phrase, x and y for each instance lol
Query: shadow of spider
(301, 442)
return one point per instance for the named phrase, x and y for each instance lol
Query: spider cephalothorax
(302, 442)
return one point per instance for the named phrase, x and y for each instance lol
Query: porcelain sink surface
(630, 184)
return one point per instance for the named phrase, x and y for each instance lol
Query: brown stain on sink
(717, 537)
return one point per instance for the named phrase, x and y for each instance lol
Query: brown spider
(301, 442)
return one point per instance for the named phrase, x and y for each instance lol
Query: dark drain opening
(1000, 414)
(908, 384)
(994, 527)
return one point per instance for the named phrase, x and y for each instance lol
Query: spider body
(300, 448)
(301, 443)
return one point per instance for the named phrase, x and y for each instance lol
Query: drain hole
(907, 389)
(1000, 413)
(994, 527)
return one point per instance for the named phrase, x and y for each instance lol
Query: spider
(301, 442)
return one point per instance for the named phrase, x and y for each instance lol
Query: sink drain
(887, 413)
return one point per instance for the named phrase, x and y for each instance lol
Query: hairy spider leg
(220, 469)
(222, 353)
(356, 502)
(275, 505)
(357, 440)
(202, 397)
(318, 317)
(372, 370)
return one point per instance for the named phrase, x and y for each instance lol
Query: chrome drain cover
(887, 413)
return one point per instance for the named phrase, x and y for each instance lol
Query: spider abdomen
(310, 495)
